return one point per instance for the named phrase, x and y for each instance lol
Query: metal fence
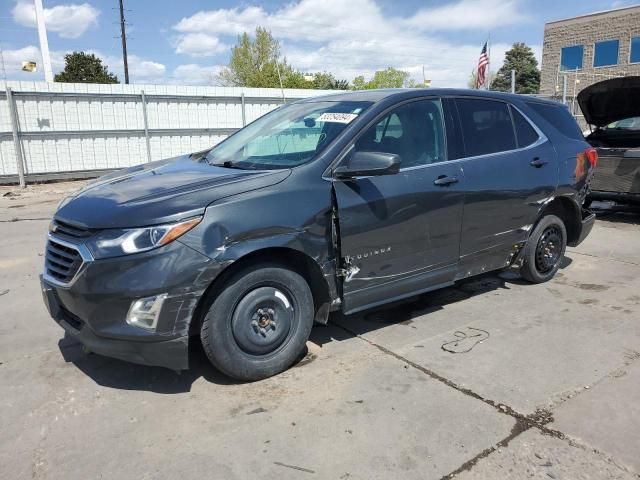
(63, 130)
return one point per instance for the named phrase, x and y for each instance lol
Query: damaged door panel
(400, 233)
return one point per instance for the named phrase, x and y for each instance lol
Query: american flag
(483, 61)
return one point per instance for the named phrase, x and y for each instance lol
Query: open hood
(610, 100)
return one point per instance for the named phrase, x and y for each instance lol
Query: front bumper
(173, 353)
(94, 308)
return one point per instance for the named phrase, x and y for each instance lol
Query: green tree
(521, 59)
(389, 78)
(326, 81)
(80, 67)
(255, 62)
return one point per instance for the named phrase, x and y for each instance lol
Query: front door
(400, 234)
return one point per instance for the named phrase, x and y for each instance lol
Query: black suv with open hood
(613, 108)
(337, 203)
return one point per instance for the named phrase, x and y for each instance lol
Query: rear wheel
(258, 325)
(544, 250)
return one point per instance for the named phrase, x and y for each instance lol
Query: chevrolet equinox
(335, 203)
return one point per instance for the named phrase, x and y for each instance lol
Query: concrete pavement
(494, 378)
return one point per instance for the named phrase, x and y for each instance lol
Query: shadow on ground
(122, 375)
(113, 373)
(613, 212)
(406, 311)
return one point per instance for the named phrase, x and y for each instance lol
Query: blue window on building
(606, 53)
(635, 50)
(571, 57)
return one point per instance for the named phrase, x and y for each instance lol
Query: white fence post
(146, 124)
(13, 113)
(244, 114)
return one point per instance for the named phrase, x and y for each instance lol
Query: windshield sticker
(337, 117)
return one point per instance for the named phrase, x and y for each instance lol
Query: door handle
(538, 162)
(443, 180)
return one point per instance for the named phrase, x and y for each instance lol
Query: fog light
(144, 312)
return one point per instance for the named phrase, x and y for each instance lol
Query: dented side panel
(295, 215)
(398, 233)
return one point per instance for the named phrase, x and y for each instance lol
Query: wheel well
(569, 213)
(294, 259)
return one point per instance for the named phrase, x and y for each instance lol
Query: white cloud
(68, 21)
(199, 45)
(318, 35)
(13, 63)
(469, 14)
(141, 70)
(194, 74)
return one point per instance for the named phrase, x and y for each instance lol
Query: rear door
(400, 233)
(510, 170)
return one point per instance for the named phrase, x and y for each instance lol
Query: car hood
(611, 100)
(159, 192)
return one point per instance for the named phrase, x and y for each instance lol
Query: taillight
(592, 155)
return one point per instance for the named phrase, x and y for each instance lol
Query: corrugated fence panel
(81, 127)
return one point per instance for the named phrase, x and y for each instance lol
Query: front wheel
(258, 325)
(544, 250)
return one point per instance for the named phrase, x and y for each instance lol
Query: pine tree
(80, 67)
(521, 59)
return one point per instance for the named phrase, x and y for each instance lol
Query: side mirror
(365, 164)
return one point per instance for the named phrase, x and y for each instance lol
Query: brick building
(588, 49)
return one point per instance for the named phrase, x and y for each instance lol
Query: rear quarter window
(525, 133)
(560, 118)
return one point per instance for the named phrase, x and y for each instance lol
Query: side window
(525, 133)
(389, 127)
(559, 117)
(486, 126)
(413, 131)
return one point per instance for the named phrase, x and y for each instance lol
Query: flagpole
(488, 80)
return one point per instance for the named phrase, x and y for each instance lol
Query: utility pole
(123, 35)
(44, 43)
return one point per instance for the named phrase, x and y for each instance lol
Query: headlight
(114, 243)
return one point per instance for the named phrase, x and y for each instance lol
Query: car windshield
(286, 137)
(632, 123)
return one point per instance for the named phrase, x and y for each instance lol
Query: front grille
(62, 262)
(64, 228)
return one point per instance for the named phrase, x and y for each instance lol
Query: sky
(187, 41)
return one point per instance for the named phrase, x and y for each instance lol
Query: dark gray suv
(342, 202)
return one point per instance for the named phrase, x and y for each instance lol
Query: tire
(544, 250)
(258, 324)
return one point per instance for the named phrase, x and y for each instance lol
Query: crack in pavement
(16, 220)
(539, 419)
(606, 258)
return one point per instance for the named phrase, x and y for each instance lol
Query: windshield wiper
(227, 164)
